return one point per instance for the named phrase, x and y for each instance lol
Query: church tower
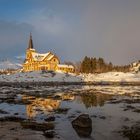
(30, 46)
(30, 49)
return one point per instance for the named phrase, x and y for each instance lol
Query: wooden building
(48, 61)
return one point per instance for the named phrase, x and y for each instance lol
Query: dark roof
(30, 45)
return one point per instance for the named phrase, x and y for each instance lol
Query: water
(110, 108)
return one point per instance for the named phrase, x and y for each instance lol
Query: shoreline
(41, 83)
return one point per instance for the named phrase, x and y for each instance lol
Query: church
(35, 61)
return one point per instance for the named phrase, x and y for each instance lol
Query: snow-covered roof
(39, 56)
(65, 66)
(50, 57)
(32, 49)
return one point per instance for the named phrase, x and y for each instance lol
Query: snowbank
(4, 65)
(50, 76)
(40, 76)
(112, 77)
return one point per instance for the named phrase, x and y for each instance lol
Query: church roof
(40, 57)
(30, 45)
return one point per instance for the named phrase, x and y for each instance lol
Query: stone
(37, 126)
(83, 125)
(49, 134)
(50, 118)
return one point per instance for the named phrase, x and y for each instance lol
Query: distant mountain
(6, 64)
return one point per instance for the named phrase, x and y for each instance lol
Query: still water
(109, 107)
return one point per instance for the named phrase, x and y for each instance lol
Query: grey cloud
(75, 28)
(13, 38)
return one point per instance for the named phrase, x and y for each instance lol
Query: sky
(72, 29)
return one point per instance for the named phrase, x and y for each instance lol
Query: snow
(49, 76)
(65, 66)
(39, 56)
(39, 76)
(50, 57)
(135, 66)
(9, 65)
(113, 77)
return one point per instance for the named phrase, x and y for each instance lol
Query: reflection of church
(39, 105)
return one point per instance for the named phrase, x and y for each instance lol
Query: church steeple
(30, 46)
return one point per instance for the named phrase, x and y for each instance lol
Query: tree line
(94, 65)
(97, 65)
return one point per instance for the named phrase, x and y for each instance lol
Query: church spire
(30, 46)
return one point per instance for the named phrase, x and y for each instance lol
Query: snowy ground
(62, 77)
(113, 77)
(6, 64)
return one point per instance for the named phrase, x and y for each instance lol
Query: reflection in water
(94, 99)
(38, 105)
(68, 97)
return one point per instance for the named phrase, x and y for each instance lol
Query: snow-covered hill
(62, 77)
(4, 65)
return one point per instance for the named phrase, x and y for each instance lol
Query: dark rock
(12, 119)
(132, 133)
(94, 116)
(83, 125)
(102, 117)
(37, 126)
(15, 113)
(15, 128)
(49, 134)
(62, 110)
(3, 112)
(50, 118)
(136, 110)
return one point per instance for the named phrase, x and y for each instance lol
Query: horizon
(72, 29)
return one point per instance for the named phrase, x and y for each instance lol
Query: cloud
(73, 29)
(13, 38)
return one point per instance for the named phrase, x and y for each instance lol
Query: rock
(11, 119)
(3, 112)
(83, 125)
(15, 113)
(62, 110)
(131, 132)
(50, 118)
(37, 126)
(49, 134)
(102, 117)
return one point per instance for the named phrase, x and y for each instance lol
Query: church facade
(35, 61)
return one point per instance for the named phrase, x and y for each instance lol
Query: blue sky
(72, 28)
